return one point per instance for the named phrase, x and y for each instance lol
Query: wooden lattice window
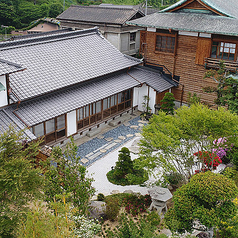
(165, 43)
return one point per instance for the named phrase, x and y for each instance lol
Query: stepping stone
(138, 134)
(121, 137)
(117, 141)
(84, 161)
(144, 122)
(134, 149)
(126, 124)
(110, 146)
(103, 151)
(134, 127)
(95, 155)
(115, 192)
(129, 135)
(141, 125)
(100, 137)
(109, 139)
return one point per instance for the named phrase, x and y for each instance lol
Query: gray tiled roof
(57, 61)
(49, 106)
(7, 67)
(99, 14)
(153, 78)
(7, 118)
(190, 22)
(228, 8)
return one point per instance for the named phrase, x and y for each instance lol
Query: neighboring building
(45, 25)
(190, 37)
(71, 83)
(111, 20)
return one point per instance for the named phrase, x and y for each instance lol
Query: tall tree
(20, 181)
(206, 199)
(169, 141)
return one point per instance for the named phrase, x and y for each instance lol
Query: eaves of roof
(192, 22)
(227, 8)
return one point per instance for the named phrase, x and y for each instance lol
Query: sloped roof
(55, 104)
(7, 67)
(7, 118)
(57, 61)
(228, 8)
(99, 14)
(189, 22)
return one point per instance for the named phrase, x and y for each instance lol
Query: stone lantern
(159, 197)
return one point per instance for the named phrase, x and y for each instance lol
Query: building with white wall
(74, 82)
(111, 20)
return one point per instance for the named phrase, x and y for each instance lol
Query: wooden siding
(203, 50)
(182, 64)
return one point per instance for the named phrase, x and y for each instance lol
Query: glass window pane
(50, 126)
(80, 114)
(39, 130)
(112, 100)
(98, 106)
(93, 109)
(105, 105)
(86, 111)
(60, 122)
(127, 95)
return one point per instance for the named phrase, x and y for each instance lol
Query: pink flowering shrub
(221, 150)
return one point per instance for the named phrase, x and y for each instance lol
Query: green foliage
(112, 208)
(125, 173)
(68, 177)
(226, 89)
(231, 173)
(169, 141)
(20, 181)
(206, 198)
(174, 179)
(128, 227)
(193, 98)
(154, 218)
(168, 104)
(41, 222)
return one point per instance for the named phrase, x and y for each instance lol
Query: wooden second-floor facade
(189, 38)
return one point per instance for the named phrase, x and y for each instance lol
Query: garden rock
(97, 209)
(128, 191)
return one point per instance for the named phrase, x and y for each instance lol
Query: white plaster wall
(71, 123)
(152, 95)
(125, 42)
(113, 38)
(142, 91)
(135, 96)
(137, 40)
(3, 94)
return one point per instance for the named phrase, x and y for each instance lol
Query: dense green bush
(112, 208)
(125, 173)
(100, 197)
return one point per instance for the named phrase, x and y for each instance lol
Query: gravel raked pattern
(94, 149)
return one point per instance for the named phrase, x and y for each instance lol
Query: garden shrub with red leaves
(136, 204)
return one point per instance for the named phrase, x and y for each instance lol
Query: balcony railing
(214, 63)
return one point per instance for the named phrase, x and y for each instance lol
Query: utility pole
(146, 7)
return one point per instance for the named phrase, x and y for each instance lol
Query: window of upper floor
(165, 43)
(224, 50)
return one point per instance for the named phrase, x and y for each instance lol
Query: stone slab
(117, 141)
(138, 134)
(144, 122)
(140, 124)
(126, 123)
(103, 150)
(109, 139)
(93, 132)
(90, 154)
(100, 137)
(110, 146)
(121, 137)
(134, 127)
(84, 161)
(95, 155)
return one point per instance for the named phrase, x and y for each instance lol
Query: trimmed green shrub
(112, 208)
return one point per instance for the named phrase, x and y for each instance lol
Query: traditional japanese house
(70, 83)
(188, 38)
(110, 19)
